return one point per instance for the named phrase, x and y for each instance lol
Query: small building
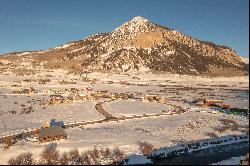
(52, 133)
(122, 96)
(150, 98)
(56, 91)
(103, 93)
(209, 102)
(59, 99)
(82, 97)
(53, 123)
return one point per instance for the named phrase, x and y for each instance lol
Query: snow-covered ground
(84, 111)
(134, 107)
(245, 60)
(161, 131)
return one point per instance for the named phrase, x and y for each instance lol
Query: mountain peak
(140, 44)
(139, 19)
(134, 26)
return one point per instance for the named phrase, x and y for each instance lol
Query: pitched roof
(52, 131)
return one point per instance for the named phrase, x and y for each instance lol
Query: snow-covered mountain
(140, 44)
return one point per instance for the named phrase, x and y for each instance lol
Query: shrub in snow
(63, 160)
(145, 148)
(22, 159)
(117, 154)
(50, 155)
(75, 157)
(106, 153)
(86, 159)
(96, 152)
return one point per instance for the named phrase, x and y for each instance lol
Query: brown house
(52, 133)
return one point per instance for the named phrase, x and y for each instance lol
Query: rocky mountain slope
(141, 45)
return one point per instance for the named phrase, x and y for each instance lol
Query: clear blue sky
(43, 24)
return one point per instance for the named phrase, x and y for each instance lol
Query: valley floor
(27, 111)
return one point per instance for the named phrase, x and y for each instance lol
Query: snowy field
(134, 107)
(160, 131)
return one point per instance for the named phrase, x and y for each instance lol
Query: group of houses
(63, 91)
(59, 99)
(75, 95)
(101, 94)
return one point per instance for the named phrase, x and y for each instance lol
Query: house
(212, 102)
(103, 93)
(56, 91)
(122, 96)
(53, 123)
(151, 98)
(82, 97)
(59, 99)
(209, 102)
(51, 133)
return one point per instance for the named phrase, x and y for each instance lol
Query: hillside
(140, 45)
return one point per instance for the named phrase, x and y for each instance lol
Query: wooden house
(52, 133)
